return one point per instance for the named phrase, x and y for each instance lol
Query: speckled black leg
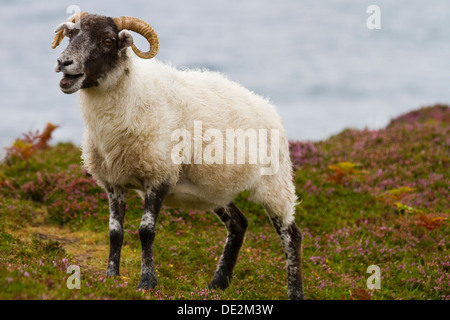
(291, 240)
(117, 203)
(147, 231)
(236, 225)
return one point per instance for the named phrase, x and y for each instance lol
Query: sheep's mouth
(68, 80)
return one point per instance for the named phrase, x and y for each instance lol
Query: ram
(134, 110)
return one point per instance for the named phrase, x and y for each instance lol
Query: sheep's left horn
(60, 32)
(144, 29)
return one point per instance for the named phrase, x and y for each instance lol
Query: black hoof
(296, 295)
(147, 282)
(219, 283)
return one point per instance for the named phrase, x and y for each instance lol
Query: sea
(326, 64)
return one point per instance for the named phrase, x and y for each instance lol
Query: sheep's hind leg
(147, 231)
(236, 225)
(117, 202)
(291, 240)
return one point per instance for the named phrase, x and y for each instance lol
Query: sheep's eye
(108, 41)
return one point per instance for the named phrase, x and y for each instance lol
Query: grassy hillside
(368, 198)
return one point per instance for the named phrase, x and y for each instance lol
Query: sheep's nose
(60, 63)
(65, 63)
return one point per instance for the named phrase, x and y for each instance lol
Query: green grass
(53, 215)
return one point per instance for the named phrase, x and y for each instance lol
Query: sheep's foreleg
(117, 203)
(291, 240)
(236, 225)
(147, 231)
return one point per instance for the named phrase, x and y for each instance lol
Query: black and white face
(96, 48)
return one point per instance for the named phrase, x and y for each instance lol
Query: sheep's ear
(125, 39)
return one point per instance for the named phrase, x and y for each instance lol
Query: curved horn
(143, 28)
(60, 31)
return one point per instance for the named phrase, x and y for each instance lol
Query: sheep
(138, 111)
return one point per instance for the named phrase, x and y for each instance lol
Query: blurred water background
(316, 60)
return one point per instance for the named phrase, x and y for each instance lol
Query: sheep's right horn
(144, 29)
(60, 33)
